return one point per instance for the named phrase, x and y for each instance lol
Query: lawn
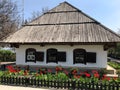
(114, 64)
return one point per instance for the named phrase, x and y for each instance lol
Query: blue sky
(106, 12)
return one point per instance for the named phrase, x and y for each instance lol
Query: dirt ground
(5, 87)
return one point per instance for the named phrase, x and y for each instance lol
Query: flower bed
(60, 74)
(60, 78)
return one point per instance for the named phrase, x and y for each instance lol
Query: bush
(1, 73)
(7, 55)
(118, 72)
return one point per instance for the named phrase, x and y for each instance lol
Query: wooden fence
(70, 84)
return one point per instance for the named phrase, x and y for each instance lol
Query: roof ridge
(60, 12)
(60, 24)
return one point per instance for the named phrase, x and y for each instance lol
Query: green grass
(114, 65)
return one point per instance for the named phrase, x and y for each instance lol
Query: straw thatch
(63, 24)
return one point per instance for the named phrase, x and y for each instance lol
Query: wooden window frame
(51, 51)
(79, 51)
(26, 55)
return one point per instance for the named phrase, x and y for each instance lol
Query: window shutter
(91, 57)
(62, 56)
(39, 56)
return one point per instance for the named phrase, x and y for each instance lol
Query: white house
(63, 36)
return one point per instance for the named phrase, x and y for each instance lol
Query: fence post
(26, 81)
(73, 85)
(117, 87)
(0, 79)
(48, 83)
(105, 86)
(93, 86)
(55, 84)
(19, 81)
(113, 87)
(35, 81)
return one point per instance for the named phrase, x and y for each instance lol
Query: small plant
(73, 72)
(96, 74)
(118, 72)
(102, 72)
(1, 73)
(61, 76)
(58, 69)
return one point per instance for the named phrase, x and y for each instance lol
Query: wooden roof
(63, 24)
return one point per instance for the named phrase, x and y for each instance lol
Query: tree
(115, 52)
(9, 18)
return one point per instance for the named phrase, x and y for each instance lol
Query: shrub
(7, 55)
(1, 73)
(118, 72)
(61, 76)
(102, 72)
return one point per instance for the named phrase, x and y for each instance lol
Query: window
(52, 55)
(30, 55)
(40, 56)
(79, 56)
(91, 57)
(62, 56)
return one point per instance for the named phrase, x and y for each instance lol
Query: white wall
(101, 61)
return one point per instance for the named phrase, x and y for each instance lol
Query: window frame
(26, 55)
(49, 52)
(77, 52)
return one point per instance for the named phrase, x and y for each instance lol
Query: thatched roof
(63, 24)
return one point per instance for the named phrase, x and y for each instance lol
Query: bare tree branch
(9, 18)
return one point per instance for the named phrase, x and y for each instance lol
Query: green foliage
(7, 55)
(96, 77)
(87, 80)
(21, 72)
(118, 72)
(114, 52)
(102, 72)
(61, 76)
(114, 65)
(42, 77)
(1, 73)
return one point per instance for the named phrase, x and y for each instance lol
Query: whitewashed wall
(101, 61)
